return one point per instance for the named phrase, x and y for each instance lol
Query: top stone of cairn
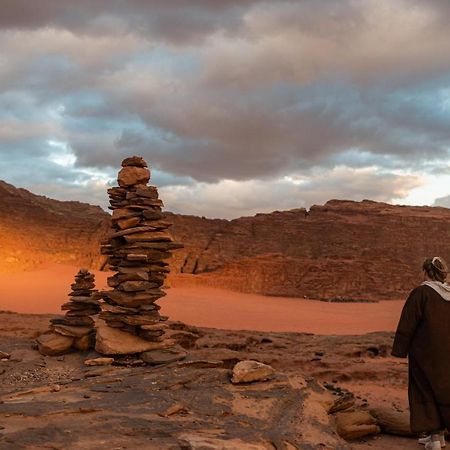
(134, 161)
(134, 171)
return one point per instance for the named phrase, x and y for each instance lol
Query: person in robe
(423, 335)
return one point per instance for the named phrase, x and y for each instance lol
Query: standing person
(423, 334)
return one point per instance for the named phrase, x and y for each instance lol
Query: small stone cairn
(76, 329)
(137, 250)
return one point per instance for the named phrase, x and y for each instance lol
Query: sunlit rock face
(36, 230)
(342, 250)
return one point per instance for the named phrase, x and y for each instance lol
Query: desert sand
(346, 345)
(43, 291)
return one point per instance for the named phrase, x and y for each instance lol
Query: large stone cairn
(137, 250)
(76, 329)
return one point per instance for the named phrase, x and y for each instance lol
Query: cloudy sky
(239, 106)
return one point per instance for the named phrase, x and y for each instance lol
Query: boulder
(356, 424)
(392, 421)
(112, 341)
(54, 344)
(131, 175)
(249, 371)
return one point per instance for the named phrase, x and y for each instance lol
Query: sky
(239, 106)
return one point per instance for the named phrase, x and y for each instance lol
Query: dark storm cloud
(207, 91)
(177, 21)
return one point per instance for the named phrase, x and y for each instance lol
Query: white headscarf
(443, 289)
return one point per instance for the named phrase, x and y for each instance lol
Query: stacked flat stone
(137, 250)
(83, 303)
(76, 329)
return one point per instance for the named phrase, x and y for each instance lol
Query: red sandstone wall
(359, 250)
(36, 230)
(346, 249)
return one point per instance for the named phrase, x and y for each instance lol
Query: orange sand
(44, 290)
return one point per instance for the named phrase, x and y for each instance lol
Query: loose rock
(54, 344)
(353, 425)
(99, 362)
(249, 371)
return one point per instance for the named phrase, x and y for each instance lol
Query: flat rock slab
(54, 344)
(156, 357)
(70, 331)
(199, 442)
(99, 362)
(112, 341)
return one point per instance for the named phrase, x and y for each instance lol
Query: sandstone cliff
(35, 230)
(342, 250)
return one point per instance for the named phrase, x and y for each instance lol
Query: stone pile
(76, 329)
(137, 250)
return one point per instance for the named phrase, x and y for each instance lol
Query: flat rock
(134, 161)
(128, 299)
(54, 344)
(133, 286)
(131, 175)
(123, 213)
(150, 236)
(99, 362)
(148, 191)
(130, 231)
(248, 371)
(76, 332)
(112, 341)
(156, 357)
(201, 442)
(128, 223)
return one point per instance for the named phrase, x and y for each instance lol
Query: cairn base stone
(54, 344)
(113, 341)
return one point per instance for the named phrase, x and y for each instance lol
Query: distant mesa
(341, 250)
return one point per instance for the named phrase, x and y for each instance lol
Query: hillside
(342, 250)
(36, 230)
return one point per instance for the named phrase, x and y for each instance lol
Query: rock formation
(342, 250)
(76, 329)
(35, 230)
(137, 250)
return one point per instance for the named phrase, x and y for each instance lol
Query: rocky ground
(60, 403)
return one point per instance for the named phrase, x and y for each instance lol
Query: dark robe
(423, 334)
